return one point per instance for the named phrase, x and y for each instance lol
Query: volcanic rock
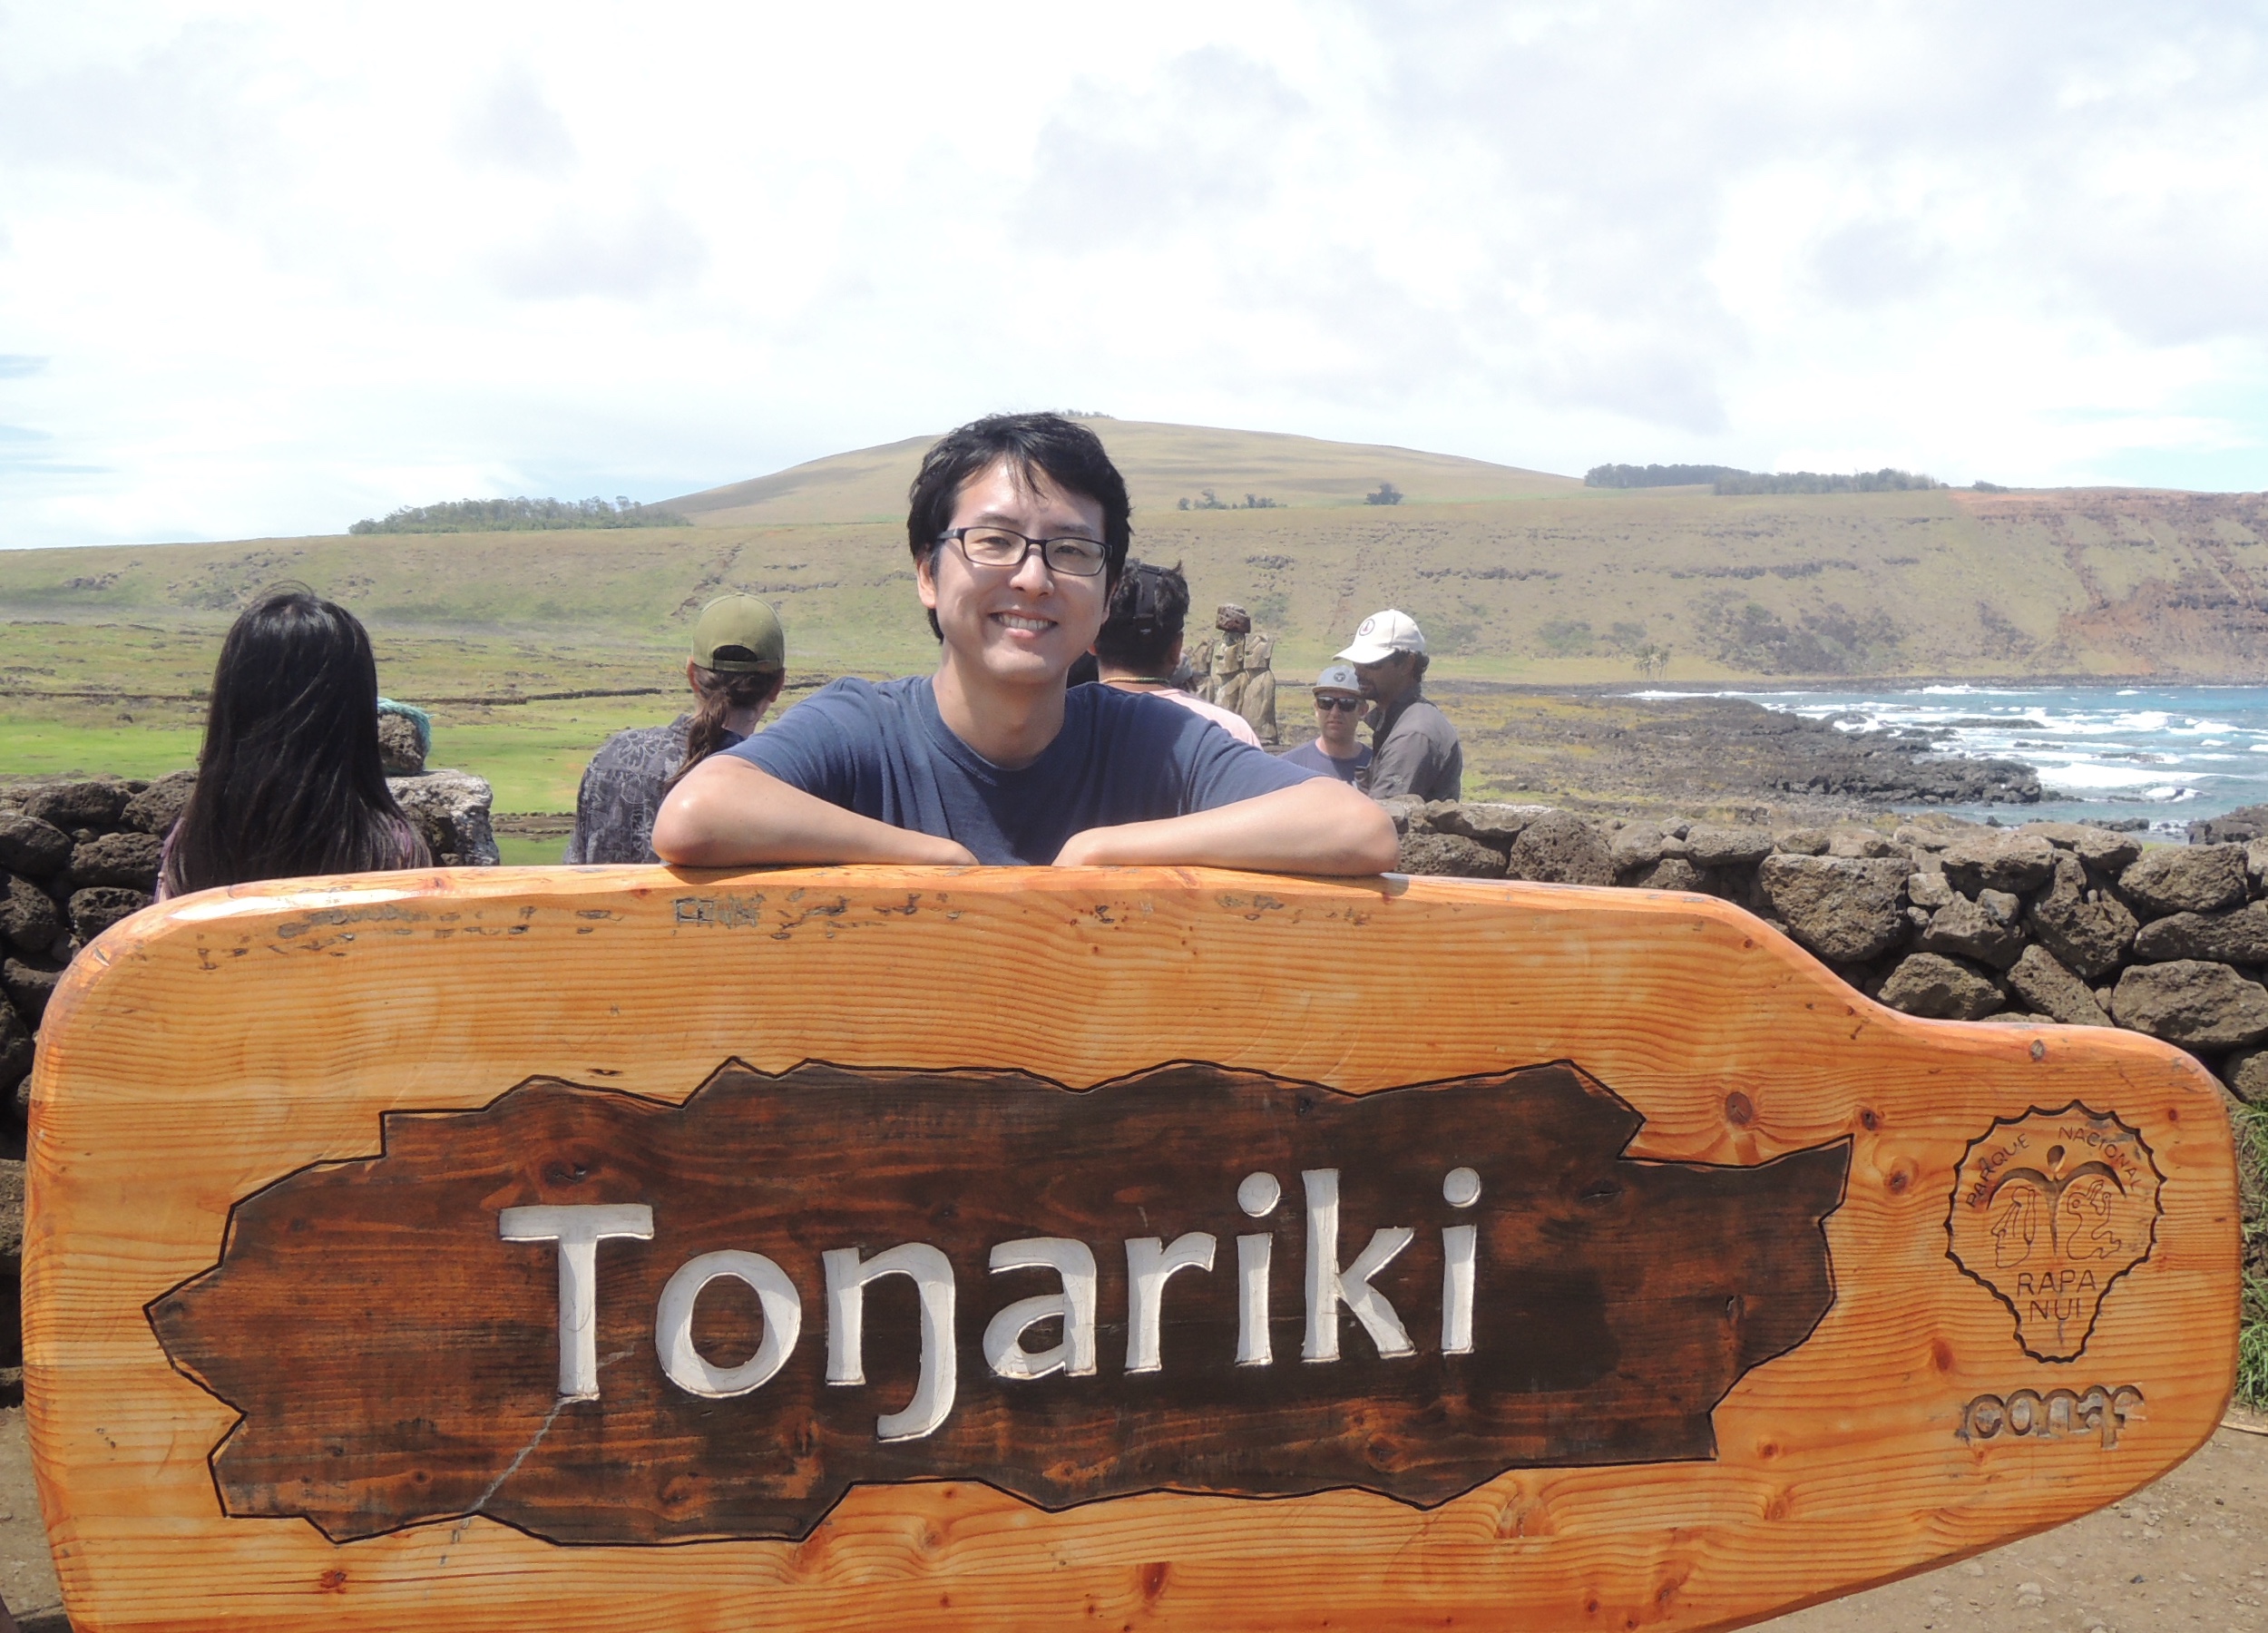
(29, 917)
(2239, 936)
(11, 1216)
(1861, 842)
(1986, 930)
(2185, 878)
(2101, 849)
(1560, 847)
(16, 1048)
(157, 808)
(1711, 846)
(1406, 810)
(28, 845)
(1993, 861)
(451, 809)
(1846, 909)
(1635, 848)
(71, 806)
(1671, 872)
(2237, 826)
(1930, 890)
(2246, 1074)
(401, 752)
(1489, 821)
(125, 857)
(2197, 1004)
(1939, 988)
(2089, 930)
(1451, 855)
(29, 982)
(2040, 979)
(98, 907)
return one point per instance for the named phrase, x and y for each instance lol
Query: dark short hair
(1148, 609)
(1071, 455)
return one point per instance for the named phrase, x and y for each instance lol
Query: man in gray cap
(1339, 706)
(1414, 748)
(738, 663)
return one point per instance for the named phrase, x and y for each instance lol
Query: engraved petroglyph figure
(2048, 1210)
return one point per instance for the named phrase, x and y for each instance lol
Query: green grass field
(532, 752)
(1515, 576)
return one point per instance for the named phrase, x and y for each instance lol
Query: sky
(268, 269)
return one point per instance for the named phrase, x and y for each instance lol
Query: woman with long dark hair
(289, 781)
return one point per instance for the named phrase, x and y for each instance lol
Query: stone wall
(77, 855)
(2067, 922)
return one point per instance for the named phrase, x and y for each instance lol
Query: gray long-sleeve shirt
(1415, 751)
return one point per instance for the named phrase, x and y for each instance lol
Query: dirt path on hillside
(2187, 1555)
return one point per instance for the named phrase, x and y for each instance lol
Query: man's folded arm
(728, 813)
(1321, 826)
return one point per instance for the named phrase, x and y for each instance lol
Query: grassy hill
(1163, 466)
(1553, 584)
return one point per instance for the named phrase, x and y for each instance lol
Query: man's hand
(1320, 827)
(728, 813)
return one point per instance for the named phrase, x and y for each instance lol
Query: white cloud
(288, 265)
(516, 127)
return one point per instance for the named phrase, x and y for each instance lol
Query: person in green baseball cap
(737, 665)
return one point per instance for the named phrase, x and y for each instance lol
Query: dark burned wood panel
(1196, 1279)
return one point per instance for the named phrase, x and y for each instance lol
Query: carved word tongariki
(1150, 1263)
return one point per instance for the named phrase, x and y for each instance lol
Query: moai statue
(1235, 666)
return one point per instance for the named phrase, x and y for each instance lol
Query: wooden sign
(998, 1248)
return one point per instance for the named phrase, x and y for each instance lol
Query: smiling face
(1024, 625)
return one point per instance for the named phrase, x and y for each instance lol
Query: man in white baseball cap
(1414, 748)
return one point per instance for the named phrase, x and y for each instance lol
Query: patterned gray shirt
(623, 790)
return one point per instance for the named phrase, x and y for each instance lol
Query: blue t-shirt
(884, 751)
(1314, 759)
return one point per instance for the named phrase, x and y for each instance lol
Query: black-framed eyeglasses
(1352, 705)
(997, 547)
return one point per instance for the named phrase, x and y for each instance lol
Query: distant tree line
(1209, 499)
(1655, 475)
(1730, 479)
(519, 516)
(1884, 481)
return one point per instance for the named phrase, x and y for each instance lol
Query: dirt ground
(2190, 1552)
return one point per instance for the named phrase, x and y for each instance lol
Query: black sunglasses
(1349, 704)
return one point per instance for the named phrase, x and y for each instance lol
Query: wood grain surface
(1616, 1301)
(204, 1053)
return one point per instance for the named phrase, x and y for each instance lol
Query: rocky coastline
(1710, 754)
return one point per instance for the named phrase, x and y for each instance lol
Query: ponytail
(716, 693)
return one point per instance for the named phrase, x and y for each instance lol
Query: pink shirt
(1228, 720)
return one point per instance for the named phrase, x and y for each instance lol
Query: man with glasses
(1339, 706)
(1019, 528)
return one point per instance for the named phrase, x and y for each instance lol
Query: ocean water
(2164, 754)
